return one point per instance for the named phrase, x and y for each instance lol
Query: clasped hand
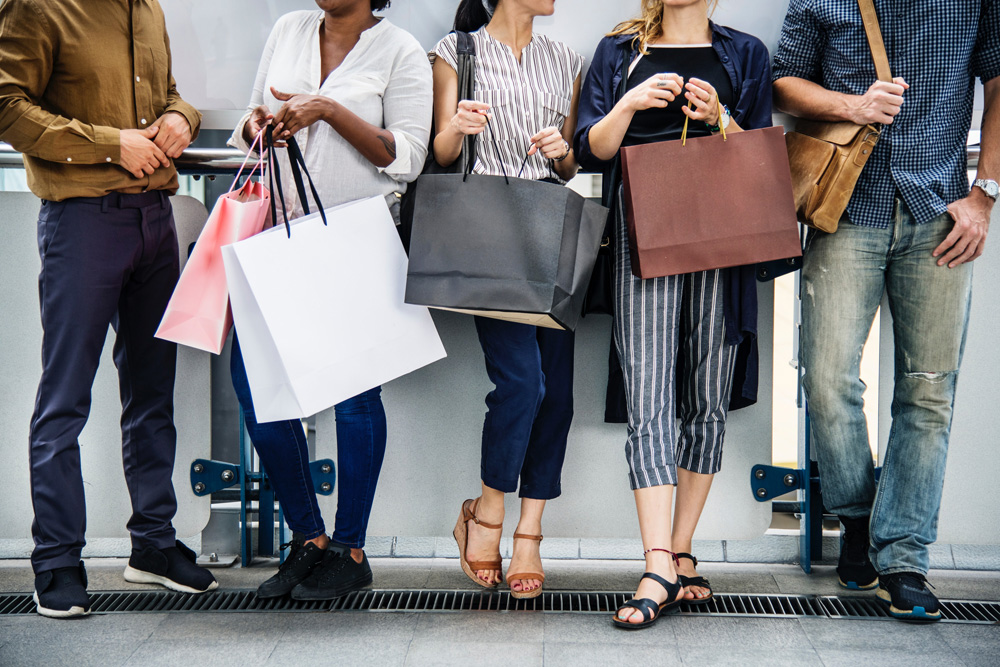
(297, 113)
(145, 151)
(659, 90)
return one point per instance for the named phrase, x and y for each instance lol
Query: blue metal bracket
(210, 476)
(324, 475)
(769, 482)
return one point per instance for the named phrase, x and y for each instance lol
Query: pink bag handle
(257, 143)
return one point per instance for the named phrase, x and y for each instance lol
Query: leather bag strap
(875, 42)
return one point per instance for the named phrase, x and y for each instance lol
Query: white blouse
(385, 79)
(526, 97)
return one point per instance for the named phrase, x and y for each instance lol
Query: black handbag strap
(465, 49)
(298, 167)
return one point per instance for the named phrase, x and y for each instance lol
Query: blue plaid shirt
(938, 47)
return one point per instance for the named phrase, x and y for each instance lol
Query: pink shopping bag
(199, 314)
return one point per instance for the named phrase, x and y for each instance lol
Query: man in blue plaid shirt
(912, 230)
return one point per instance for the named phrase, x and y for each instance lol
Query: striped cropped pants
(671, 339)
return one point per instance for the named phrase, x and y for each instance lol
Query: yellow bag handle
(684, 134)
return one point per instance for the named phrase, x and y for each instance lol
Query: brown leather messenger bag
(826, 159)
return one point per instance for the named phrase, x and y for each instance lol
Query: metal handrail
(194, 161)
(211, 161)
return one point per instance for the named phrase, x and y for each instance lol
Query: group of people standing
(366, 107)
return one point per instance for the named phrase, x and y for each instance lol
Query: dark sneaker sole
(135, 576)
(335, 593)
(72, 612)
(855, 586)
(915, 615)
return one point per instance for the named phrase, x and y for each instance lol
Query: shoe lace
(914, 579)
(295, 552)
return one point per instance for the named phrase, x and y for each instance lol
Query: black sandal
(651, 610)
(699, 581)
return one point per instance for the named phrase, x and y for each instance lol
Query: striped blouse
(526, 97)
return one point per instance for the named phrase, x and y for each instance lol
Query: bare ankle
(357, 555)
(321, 541)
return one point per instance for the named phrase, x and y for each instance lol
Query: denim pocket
(49, 218)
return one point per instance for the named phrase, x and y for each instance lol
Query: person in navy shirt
(687, 344)
(911, 231)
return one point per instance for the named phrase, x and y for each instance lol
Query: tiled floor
(490, 638)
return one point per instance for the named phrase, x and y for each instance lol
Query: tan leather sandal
(526, 595)
(461, 534)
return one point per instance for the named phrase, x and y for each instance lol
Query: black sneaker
(855, 568)
(335, 576)
(908, 598)
(62, 593)
(173, 567)
(302, 559)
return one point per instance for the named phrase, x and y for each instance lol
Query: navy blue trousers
(530, 410)
(108, 260)
(284, 451)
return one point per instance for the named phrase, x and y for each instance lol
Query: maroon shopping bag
(709, 203)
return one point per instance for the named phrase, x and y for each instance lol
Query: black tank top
(701, 62)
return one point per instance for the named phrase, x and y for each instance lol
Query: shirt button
(69, 159)
(137, 79)
(143, 121)
(107, 159)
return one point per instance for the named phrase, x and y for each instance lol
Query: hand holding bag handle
(827, 158)
(298, 166)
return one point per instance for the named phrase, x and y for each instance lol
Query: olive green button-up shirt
(73, 74)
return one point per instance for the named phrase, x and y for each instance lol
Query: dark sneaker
(908, 598)
(855, 568)
(173, 567)
(302, 559)
(335, 576)
(62, 593)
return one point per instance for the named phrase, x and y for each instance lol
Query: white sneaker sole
(72, 612)
(135, 576)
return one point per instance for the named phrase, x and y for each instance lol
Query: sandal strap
(523, 536)
(669, 587)
(525, 576)
(648, 608)
(700, 582)
(689, 557)
(476, 565)
(469, 514)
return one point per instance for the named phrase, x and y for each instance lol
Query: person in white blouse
(355, 91)
(527, 95)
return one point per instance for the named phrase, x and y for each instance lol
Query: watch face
(992, 189)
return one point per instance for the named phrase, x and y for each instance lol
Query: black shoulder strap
(466, 50)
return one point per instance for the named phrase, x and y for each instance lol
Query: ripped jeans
(843, 278)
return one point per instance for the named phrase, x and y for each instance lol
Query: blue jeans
(530, 410)
(284, 451)
(843, 278)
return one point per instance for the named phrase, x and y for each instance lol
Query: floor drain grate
(759, 606)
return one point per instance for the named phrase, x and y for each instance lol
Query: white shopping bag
(320, 312)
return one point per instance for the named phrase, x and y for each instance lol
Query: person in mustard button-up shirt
(87, 96)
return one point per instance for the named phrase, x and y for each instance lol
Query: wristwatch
(564, 155)
(724, 118)
(990, 187)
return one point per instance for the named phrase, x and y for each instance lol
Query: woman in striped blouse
(527, 93)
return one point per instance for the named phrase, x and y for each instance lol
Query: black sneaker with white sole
(302, 559)
(336, 575)
(173, 567)
(62, 593)
(907, 597)
(855, 569)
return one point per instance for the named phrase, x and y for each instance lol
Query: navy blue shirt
(938, 47)
(747, 62)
